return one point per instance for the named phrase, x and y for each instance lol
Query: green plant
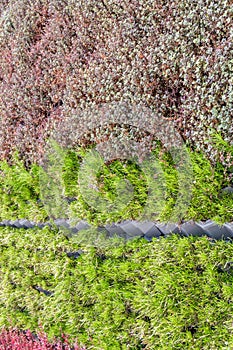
(170, 293)
(59, 58)
(20, 188)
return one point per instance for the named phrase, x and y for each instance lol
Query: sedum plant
(14, 339)
(57, 57)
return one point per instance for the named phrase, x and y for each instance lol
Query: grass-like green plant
(170, 293)
(20, 188)
(19, 191)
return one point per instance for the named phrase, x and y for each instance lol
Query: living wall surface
(60, 57)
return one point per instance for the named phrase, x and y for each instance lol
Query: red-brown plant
(57, 57)
(15, 339)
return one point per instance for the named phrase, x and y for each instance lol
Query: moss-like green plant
(20, 188)
(171, 293)
(19, 191)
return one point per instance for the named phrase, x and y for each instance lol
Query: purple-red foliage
(60, 56)
(14, 339)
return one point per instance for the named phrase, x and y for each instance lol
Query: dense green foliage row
(171, 293)
(20, 188)
(57, 59)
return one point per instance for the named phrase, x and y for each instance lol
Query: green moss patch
(171, 293)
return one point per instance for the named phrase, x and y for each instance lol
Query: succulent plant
(57, 57)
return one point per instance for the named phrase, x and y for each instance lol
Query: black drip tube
(129, 229)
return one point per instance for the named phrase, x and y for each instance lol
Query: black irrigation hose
(130, 228)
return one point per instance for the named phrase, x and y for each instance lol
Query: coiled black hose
(129, 229)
